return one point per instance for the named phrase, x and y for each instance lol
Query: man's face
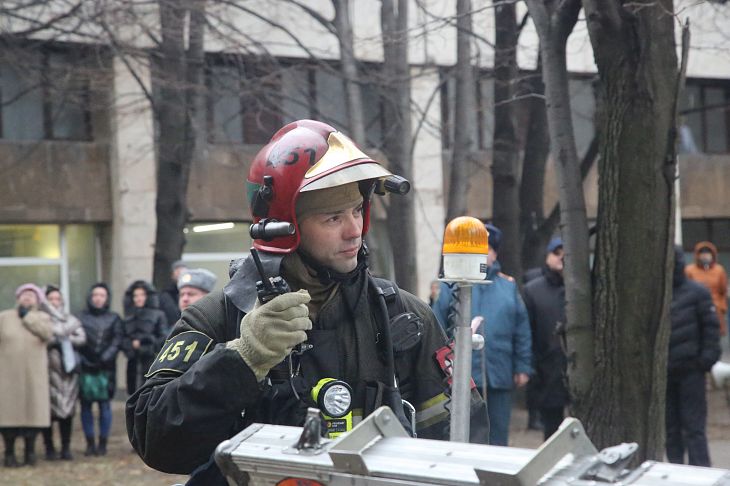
(27, 298)
(139, 297)
(554, 260)
(333, 239)
(98, 297)
(706, 257)
(55, 299)
(190, 295)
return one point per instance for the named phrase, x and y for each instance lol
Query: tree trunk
(533, 233)
(554, 22)
(397, 94)
(635, 52)
(505, 196)
(179, 76)
(463, 107)
(356, 123)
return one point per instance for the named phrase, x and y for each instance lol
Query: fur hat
(199, 278)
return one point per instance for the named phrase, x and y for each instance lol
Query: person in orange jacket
(707, 271)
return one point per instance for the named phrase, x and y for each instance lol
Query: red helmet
(304, 155)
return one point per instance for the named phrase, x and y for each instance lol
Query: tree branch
(551, 222)
(326, 23)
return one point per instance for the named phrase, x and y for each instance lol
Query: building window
(212, 245)
(243, 102)
(705, 116)
(45, 94)
(481, 123)
(249, 101)
(65, 256)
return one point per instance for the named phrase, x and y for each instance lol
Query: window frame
(702, 84)
(79, 55)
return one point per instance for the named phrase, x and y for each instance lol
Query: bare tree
(341, 28)
(350, 73)
(178, 118)
(505, 170)
(397, 143)
(464, 107)
(634, 48)
(535, 229)
(617, 342)
(554, 22)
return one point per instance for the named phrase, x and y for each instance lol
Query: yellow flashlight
(334, 399)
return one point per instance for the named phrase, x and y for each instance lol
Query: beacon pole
(465, 263)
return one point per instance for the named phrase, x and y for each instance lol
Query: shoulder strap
(392, 296)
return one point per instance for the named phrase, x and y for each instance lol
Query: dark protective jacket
(169, 304)
(199, 393)
(545, 302)
(103, 340)
(148, 323)
(694, 342)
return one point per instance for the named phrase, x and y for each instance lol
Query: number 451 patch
(180, 352)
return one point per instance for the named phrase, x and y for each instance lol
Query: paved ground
(122, 466)
(718, 429)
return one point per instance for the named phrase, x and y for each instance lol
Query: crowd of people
(53, 359)
(278, 344)
(523, 346)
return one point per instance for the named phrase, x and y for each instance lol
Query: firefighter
(231, 361)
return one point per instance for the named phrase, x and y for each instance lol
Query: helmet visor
(341, 164)
(353, 173)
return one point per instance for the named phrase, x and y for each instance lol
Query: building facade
(78, 144)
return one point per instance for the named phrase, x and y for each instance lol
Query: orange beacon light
(466, 245)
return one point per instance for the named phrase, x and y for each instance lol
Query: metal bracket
(347, 452)
(570, 438)
(611, 462)
(310, 441)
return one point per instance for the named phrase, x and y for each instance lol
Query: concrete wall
(133, 181)
(703, 181)
(54, 182)
(217, 188)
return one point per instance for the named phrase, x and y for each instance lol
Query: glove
(269, 332)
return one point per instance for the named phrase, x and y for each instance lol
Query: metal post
(460, 389)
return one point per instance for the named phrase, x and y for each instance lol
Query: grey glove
(269, 332)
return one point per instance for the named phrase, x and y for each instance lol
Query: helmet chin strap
(327, 275)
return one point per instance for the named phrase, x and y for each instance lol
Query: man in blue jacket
(508, 343)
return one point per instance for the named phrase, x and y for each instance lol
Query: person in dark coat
(103, 330)
(694, 346)
(533, 413)
(170, 295)
(545, 302)
(145, 329)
